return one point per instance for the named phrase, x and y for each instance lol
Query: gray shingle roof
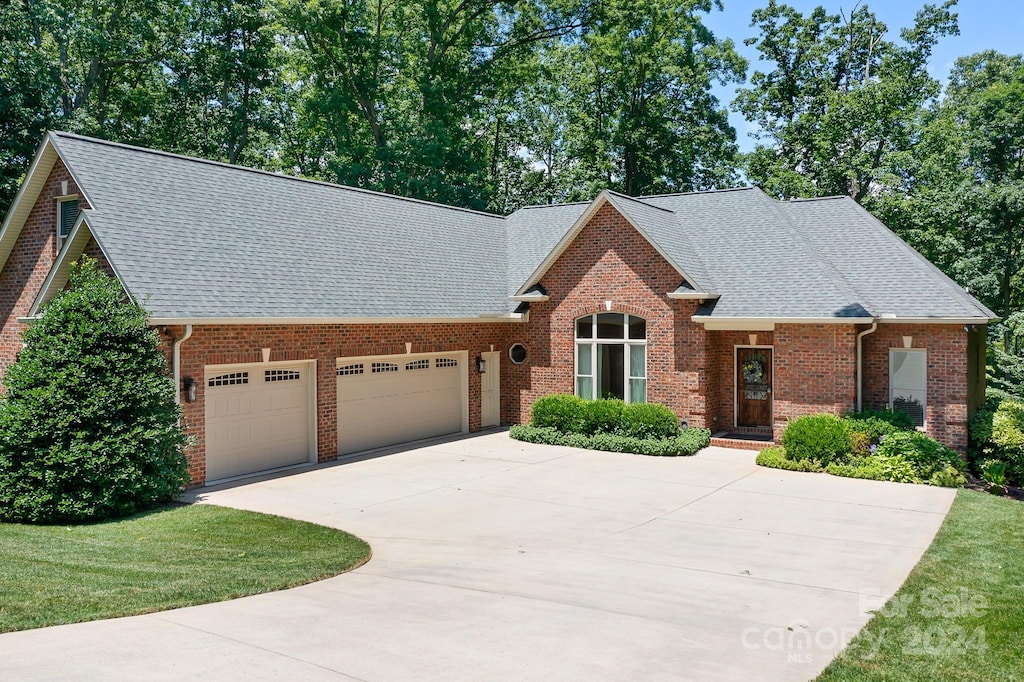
(197, 239)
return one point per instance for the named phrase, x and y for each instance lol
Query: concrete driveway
(499, 560)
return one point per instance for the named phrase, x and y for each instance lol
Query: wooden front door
(753, 387)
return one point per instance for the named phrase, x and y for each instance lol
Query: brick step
(738, 442)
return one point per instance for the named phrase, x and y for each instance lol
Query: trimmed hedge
(775, 457)
(687, 442)
(824, 437)
(572, 414)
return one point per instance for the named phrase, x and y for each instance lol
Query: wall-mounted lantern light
(481, 364)
(188, 385)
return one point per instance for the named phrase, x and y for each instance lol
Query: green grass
(960, 614)
(179, 556)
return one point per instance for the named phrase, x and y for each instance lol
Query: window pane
(637, 327)
(910, 403)
(585, 327)
(611, 326)
(907, 383)
(584, 362)
(585, 387)
(637, 361)
(638, 390)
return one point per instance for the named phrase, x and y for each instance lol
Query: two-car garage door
(262, 416)
(384, 400)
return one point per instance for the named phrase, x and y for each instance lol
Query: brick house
(303, 320)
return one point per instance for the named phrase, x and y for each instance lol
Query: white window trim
(60, 203)
(924, 404)
(594, 342)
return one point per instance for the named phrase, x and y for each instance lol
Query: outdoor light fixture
(188, 385)
(481, 364)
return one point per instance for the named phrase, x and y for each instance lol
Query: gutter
(860, 363)
(176, 361)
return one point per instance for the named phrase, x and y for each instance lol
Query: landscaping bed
(610, 425)
(881, 446)
(164, 559)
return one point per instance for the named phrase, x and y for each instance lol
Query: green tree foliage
(842, 99)
(224, 90)
(639, 114)
(88, 426)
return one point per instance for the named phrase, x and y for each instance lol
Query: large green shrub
(88, 427)
(775, 458)
(562, 412)
(648, 420)
(899, 420)
(1007, 442)
(601, 416)
(926, 455)
(822, 437)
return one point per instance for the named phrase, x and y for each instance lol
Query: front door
(753, 387)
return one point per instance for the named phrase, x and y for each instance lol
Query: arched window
(611, 357)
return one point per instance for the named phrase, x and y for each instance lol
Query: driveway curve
(499, 560)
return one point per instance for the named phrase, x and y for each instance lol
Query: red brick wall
(946, 411)
(611, 261)
(722, 368)
(230, 344)
(815, 371)
(34, 253)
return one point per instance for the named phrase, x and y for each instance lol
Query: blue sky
(984, 24)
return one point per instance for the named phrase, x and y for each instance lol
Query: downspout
(176, 361)
(860, 364)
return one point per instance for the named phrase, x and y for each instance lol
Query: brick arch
(639, 311)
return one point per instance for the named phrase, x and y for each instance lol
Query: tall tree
(224, 86)
(639, 113)
(393, 90)
(842, 98)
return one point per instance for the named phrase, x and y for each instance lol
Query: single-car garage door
(258, 417)
(384, 400)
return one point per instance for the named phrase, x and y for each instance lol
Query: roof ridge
(635, 200)
(720, 190)
(821, 260)
(830, 197)
(260, 171)
(946, 280)
(564, 203)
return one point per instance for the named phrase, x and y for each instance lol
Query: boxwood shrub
(687, 442)
(562, 412)
(824, 437)
(865, 445)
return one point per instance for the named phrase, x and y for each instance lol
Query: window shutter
(67, 217)
(908, 383)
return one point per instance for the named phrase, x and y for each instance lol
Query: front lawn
(959, 616)
(178, 556)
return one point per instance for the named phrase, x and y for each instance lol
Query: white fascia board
(43, 162)
(274, 321)
(935, 320)
(59, 272)
(692, 295)
(768, 323)
(530, 298)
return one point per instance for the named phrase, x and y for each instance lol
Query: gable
(607, 257)
(637, 217)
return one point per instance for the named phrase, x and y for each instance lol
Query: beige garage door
(384, 400)
(258, 417)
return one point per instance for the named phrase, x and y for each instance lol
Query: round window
(517, 353)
